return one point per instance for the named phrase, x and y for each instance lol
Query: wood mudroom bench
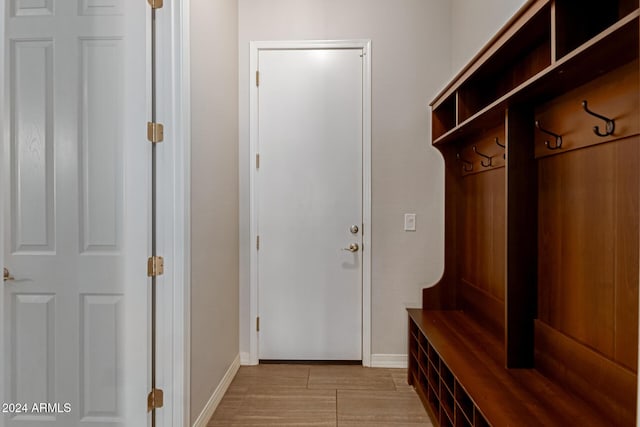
(458, 372)
(535, 319)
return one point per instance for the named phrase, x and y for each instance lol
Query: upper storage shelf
(579, 21)
(529, 58)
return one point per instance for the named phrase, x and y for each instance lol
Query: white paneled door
(75, 185)
(310, 203)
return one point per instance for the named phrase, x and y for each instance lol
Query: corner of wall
(215, 399)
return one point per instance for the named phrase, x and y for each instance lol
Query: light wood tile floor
(320, 395)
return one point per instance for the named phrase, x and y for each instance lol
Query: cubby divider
(464, 402)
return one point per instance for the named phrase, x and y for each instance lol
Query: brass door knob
(354, 247)
(6, 275)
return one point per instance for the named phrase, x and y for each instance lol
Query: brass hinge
(258, 323)
(155, 4)
(155, 266)
(257, 78)
(258, 243)
(155, 399)
(155, 132)
(257, 161)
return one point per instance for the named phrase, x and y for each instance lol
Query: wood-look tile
(380, 408)
(273, 375)
(229, 406)
(350, 378)
(280, 406)
(317, 395)
(399, 377)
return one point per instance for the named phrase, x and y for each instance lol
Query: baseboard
(388, 360)
(377, 360)
(245, 359)
(218, 394)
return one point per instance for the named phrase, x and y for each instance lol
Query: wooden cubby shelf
(605, 51)
(470, 363)
(535, 319)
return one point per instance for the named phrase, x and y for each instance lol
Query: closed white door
(75, 185)
(309, 186)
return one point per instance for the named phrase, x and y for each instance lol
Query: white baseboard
(388, 360)
(218, 394)
(245, 359)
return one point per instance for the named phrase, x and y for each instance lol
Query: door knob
(352, 248)
(6, 275)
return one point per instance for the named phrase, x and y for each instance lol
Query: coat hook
(486, 165)
(611, 124)
(555, 135)
(503, 146)
(465, 163)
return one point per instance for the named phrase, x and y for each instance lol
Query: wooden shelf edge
(502, 103)
(476, 62)
(598, 38)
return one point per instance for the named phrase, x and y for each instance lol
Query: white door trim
(4, 175)
(174, 203)
(254, 48)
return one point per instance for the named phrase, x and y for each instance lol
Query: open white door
(75, 185)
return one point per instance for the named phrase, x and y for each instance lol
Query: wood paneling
(587, 211)
(596, 379)
(486, 309)
(614, 95)
(482, 232)
(626, 271)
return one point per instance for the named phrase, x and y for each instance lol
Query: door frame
(255, 47)
(174, 201)
(174, 211)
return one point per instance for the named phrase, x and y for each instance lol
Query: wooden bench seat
(503, 397)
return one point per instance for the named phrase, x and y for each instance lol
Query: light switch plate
(410, 222)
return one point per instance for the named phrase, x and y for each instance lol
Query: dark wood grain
(482, 306)
(613, 95)
(588, 263)
(506, 397)
(626, 268)
(596, 379)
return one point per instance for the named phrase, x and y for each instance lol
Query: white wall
(473, 23)
(214, 196)
(410, 63)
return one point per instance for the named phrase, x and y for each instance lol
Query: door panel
(32, 215)
(71, 94)
(100, 158)
(310, 193)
